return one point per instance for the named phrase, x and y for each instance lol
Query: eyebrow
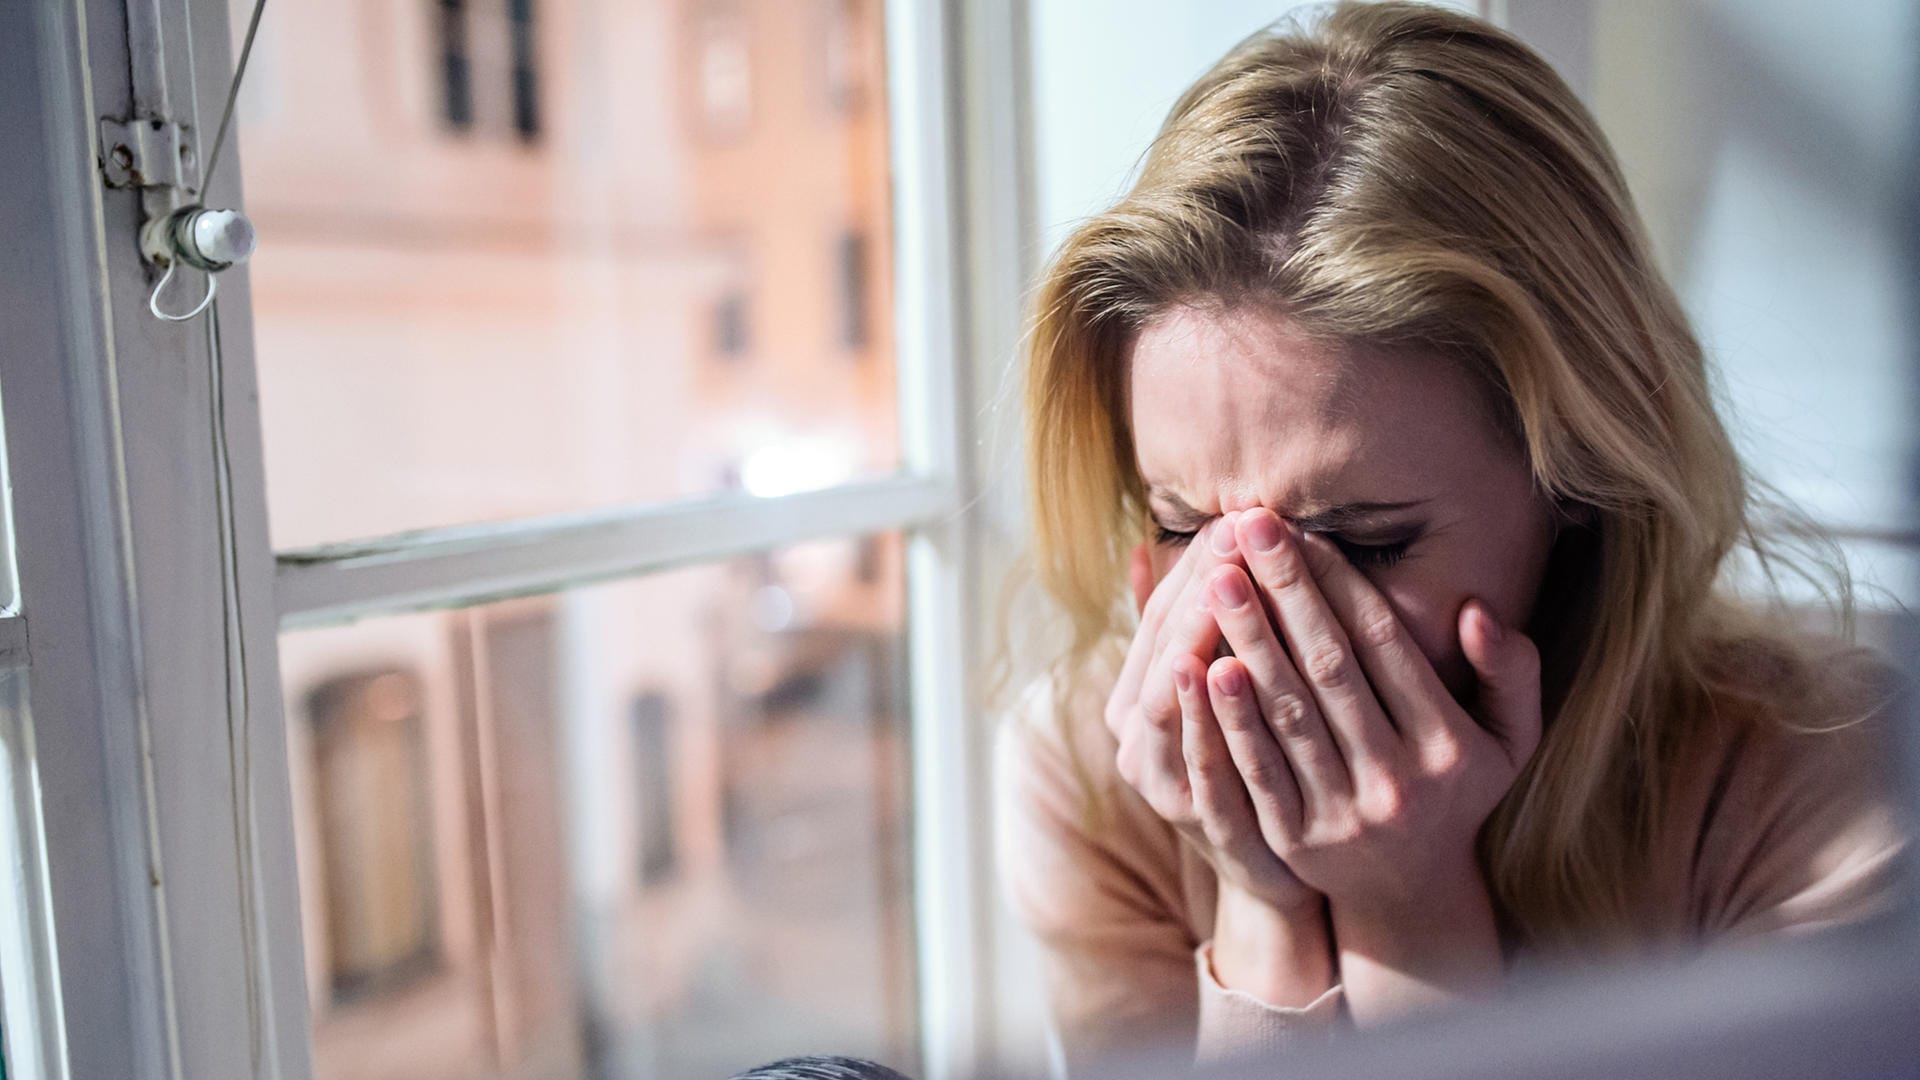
(1184, 518)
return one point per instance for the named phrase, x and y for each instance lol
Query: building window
(655, 788)
(456, 71)
(375, 831)
(724, 72)
(526, 82)
(489, 68)
(845, 54)
(853, 290)
(731, 331)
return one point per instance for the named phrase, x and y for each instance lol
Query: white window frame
(165, 919)
(176, 948)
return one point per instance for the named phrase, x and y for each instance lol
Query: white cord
(153, 302)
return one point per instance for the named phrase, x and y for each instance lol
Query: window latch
(147, 153)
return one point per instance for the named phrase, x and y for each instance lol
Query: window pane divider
(437, 568)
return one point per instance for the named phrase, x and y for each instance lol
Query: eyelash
(1381, 555)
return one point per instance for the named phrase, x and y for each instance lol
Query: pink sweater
(1772, 832)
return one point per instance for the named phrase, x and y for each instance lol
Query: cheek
(1163, 557)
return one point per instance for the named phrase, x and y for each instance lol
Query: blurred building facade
(525, 257)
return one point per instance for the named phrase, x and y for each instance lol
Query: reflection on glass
(654, 828)
(530, 256)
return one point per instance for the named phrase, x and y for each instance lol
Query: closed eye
(1358, 554)
(1166, 537)
(1372, 554)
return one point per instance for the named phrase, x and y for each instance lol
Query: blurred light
(772, 609)
(795, 465)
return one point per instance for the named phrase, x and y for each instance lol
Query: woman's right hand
(1171, 750)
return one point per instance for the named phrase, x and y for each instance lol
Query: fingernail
(1232, 680)
(1183, 679)
(1263, 532)
(1231, 588)
(1222, 539)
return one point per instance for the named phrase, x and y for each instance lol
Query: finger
(1162, 599)
(1193, 636)
(1220, 800)
(1322, 655)
(1179, 623)
(1271, 783)
(1508, 666)
(1416, 701)
(1285, 703)
(1145, 646)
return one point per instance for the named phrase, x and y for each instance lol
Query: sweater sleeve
(1236, 1025)
(1103, 892)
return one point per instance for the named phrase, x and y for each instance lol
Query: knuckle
(1443, 756)
(1262, 777)
(1284, 569)
(1333, 832)
(1329, 664)
(1385, 801)
(1289, 717)
(1376, 625)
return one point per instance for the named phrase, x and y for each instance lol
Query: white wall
(1105, 72)
(1769, 143)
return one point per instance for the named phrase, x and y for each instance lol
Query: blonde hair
(1409, 176)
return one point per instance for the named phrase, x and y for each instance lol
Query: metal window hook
(151, 152)
(207, 240)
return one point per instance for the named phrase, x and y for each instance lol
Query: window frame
(157, 764)
(180, 955)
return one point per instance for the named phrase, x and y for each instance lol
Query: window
(457, 476)
(526, 71)
(489, 66)
(456, 75)
(853, 291)
(385, 794)
(456, 333)
(670, 810)
(731, 326)
(723, 71)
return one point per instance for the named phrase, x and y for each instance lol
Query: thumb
(1508, 667)
(1140, 575)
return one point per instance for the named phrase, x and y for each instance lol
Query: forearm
(1284, 958)
(1408, 957)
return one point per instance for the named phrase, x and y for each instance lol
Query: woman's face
(1391, 455)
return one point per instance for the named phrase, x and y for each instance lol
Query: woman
(1371, 389)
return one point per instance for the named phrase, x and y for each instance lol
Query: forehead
(1237, 407)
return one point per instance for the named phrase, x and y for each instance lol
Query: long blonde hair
(1406, 175)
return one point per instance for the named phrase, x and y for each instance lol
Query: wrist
(1398, 957)
(1281, 955)
(1435, 901)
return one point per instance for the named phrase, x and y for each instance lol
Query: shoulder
(1785, 794)
(1072, 837)
(1055, 734)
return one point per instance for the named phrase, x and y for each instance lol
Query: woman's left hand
(1390, 777)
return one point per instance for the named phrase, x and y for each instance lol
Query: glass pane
(526, 257)
(655, 828)
(26, 957)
